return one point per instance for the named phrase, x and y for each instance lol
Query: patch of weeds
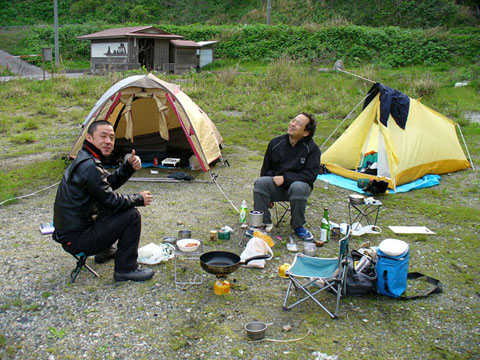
(33, 307)
(23, 138)
(103, 348)
(30, 124)
(46, 294)
(177, 343)
(17, 302)
(420, 238)
(3, 341)
(227, 76)
(88, 311)
(45, 173)
(425, 86)
(55, 333)
(4, 307)
(48, 110)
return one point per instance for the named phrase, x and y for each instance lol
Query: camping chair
(81, 262)
(313, 275)
(285, 208)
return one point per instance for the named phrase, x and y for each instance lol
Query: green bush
(388, 47)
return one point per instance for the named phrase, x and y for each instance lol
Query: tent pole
(345, 118)
(466, 147)
(358, 76)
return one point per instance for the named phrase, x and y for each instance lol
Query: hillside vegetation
(387, 47)
(403, 13)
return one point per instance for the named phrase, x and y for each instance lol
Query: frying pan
(222, 263)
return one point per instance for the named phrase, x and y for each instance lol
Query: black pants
(124, 226)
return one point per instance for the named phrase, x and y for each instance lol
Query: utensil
(188, 245)
(184, 234)
(256, 330)
(222, 263)
(255, 218)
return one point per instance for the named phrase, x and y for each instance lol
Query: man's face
(296, 128)
(103, 138)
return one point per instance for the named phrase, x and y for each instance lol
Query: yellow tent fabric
(145, 106)
(428, 145)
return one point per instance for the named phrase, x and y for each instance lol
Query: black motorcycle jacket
(87, 187)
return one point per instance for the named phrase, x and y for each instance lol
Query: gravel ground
(43, 316)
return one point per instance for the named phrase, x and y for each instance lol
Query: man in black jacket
(290, 167)
(89, 216)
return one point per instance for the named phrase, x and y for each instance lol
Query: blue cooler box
(392, 267)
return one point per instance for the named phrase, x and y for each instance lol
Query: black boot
(105, 255)
(138, 274)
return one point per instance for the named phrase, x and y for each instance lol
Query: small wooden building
(129, 48)
(183, 53)
(206, 53)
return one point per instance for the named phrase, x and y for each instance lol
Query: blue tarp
(337, 180)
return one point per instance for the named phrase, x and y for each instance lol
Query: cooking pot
(184, 234)
(356, 199)
(255, 218)
(256, 330)
(222, 263)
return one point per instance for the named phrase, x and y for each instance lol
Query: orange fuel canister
(282, 270)
(221, 287)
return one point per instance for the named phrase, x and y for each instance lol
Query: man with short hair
(290, 167)
(89, 216)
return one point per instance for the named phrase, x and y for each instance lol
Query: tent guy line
(24, 196)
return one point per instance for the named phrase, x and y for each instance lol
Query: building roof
(134, 31)
(205, 43)
(185, 43)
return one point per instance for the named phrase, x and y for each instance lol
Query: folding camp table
(364, 211)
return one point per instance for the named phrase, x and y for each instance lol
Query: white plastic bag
(152, 254)
(359, 230)
(256, 247)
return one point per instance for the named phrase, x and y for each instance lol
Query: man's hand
(147, 197)
(278, 180)
(135, 161)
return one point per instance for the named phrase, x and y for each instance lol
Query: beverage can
(213, 235)
(155, 161)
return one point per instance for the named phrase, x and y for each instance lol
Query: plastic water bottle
(243, 213)
(325, 227)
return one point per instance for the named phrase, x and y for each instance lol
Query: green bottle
(325, 227)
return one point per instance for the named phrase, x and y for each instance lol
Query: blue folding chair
(313, 275)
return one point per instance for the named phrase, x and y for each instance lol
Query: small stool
(81, 262)
(364, 211)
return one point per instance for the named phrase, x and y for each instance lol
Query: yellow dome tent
(406, 138)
